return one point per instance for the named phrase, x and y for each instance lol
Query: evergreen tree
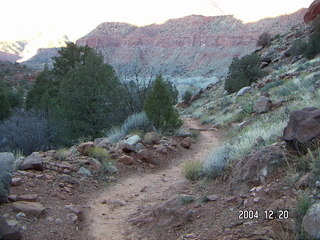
(159, 106)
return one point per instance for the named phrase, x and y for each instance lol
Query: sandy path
(110, 221)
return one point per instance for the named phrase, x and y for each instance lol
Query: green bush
(192, 170)
(159, 106)
(187, 97)
(100, 154)
(298, 47)
(303, 205)
(187, 199)
(272, 85)
(243, 72)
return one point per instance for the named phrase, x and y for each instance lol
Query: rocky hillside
(188, 46)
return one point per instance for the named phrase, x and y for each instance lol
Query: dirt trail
(110, 221)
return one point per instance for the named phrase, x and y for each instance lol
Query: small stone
(72, 218)
(104, 201)
(20, 215)
(58, 221)
(258, 189)
(317, 184)
(256, 200)
(16, 181)
(213, 197)
(49, 220)
(186, 143)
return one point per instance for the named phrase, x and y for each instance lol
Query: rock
(302, 128)
(101, 142)
(151, 138)
(318, 184)
(186, 143)
(76, 209)
(8, 232)
(313, 11)
(138, 147)
(29, 208)
(49, 220)
(133, 140)
(252, 169)
(84, 148)
(264, 64)
(213, 197)
(145, 155)
(284, 228)
(84, 172)
(6, 168)
(68, 179)
(95, 164)
(262, 105)
(72, 218)
(32, 162)
(311, 221)
(28, 197)
(16, 181)
(126, 160)
(243, 91)
(305, 181)
(127, 148)
(58, 221)
(161, 149)
(183, 133)
(116, 203)
(20, 215)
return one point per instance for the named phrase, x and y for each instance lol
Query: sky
(25, 19)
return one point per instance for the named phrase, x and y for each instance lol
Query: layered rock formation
(188, 46)
(313, 11)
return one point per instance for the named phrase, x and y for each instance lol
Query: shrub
(264, 39)
(61, 154)
(100, 154)
(192, 170)
(28, 132)
(298, 47)
(159, 106)
(303, 205)
(217, 160)
(186, 199)
(242, 72)
(187, 97)
(136, 122)
(272, 85)
(315, 164)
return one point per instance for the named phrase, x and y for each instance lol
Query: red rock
(28, 197)
(84, 148)
(29, 208)
(186, 143)
(126, 160)
(127, 148)
(313, 11)
(145, 155)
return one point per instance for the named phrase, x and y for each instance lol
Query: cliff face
(189, 46)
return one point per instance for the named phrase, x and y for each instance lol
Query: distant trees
(242, 72)
(159, 106)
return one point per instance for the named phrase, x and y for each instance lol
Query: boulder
(127, 148)
(27, 197)
(139, 146)
(16, 181)
(252, 169)
(151, 138)
(29, 208)
(243, 91)
(302, 129)
(133, 140)
(84, 148)
(6, 168)
(84, 172)
(311, 221)
(186, 143)
(8, 232)
(313, 11)
(32, 162)
(161, 149)
(262, 105)
(126, 160)
(145, 155)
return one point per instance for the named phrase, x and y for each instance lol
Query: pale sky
(23, 19)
